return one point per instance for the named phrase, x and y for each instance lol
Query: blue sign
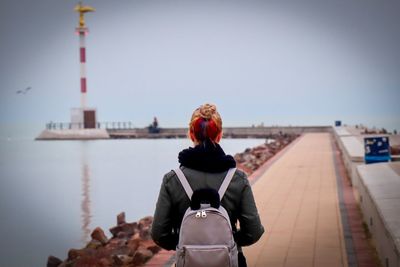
(338, 123)
(377, 149)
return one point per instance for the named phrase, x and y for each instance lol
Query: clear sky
(299, 62)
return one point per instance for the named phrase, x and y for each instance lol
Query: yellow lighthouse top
(82, 10)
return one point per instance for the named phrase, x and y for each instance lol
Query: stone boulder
(130, 246)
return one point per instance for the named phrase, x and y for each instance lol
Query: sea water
(54, 193)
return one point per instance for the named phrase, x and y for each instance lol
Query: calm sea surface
(53, 193)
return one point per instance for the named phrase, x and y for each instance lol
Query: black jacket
(173, 201)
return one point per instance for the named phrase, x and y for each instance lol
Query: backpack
(205, 236)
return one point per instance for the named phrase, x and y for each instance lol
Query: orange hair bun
(206, 123)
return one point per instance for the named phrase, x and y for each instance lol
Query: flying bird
(24, 91)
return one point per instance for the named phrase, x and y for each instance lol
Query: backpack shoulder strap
(184, 182)
(226, 182)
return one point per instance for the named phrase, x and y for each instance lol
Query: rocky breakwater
(252, 158)
(131, 245)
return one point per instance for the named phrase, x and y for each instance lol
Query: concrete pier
(137, 133)
(74, 134)
(312, 218)
(229, 132)
(311, 206)
(299, 207)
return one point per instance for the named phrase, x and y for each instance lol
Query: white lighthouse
(83, 117)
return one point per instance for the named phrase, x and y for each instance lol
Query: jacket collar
(207, 157)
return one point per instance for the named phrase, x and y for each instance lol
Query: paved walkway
(298, 203)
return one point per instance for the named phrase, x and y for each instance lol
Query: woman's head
(205, 124)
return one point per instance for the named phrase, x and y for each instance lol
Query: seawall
(376, 189)
(137, 133)
(73, 134)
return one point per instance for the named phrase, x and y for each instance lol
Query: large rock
(98, 234)
(145, 233)
(115, 230)
(127, 229)
(53, 261)
(89, 261)
(130, 228)
(75, 253)
(106, 262)
(141, 256)
(149, 245)
(121, 218)
(145, 222)
(122, 259)
(134, 242)
(94, 244)
(115, 242)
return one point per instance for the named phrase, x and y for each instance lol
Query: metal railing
(99, 125)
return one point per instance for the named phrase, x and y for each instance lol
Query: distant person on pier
(205, 166)
(153, 128)
(155, 122)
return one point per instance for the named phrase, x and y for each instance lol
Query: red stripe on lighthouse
(83, 85)
(83, 54)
